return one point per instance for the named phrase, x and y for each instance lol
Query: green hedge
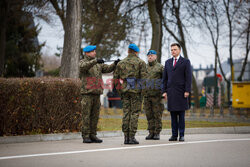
(39, 105)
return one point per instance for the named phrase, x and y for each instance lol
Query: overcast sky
(200, 50)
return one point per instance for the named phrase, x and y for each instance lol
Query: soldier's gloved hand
(100, 61)
(117, 61)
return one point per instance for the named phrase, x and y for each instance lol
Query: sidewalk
(104, 134)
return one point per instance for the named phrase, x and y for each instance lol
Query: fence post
(114, 109)
(211, 111)
(202, 111)
(192, 111)
(230, 111)
(221, 111)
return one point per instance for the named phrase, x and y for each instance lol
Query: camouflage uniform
(131, 67)
(152, 97)
(92, 88)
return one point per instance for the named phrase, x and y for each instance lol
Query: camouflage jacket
(91, 75)
(153, 79)
(129, 71)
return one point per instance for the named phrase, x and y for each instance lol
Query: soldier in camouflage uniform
(129, 70)
(152, 96)
(91, 70)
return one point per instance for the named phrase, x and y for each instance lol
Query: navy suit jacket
(177, 80)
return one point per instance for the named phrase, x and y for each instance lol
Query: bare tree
(231, 9)
(59, 7)
(72, 40)
(245, 31)
(210, 14)
(177, 21)
(70, 13)
(155, 14)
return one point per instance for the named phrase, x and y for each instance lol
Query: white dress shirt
(177, 58)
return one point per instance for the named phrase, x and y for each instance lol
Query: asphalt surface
(197, 150)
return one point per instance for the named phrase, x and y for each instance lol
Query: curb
(104, 134)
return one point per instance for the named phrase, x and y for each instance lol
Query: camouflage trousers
(153, 109)
(131, 108)
(90, 114)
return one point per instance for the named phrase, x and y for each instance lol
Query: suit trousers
(177, 123)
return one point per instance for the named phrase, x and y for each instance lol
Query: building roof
(238, 63)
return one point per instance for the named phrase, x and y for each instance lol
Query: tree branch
(247, 52)
(169, 31)
(59, 12)
(137, 6)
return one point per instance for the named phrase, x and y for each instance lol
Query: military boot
(95, 139)
(126, 139)
(150, 136)
(157, 136)
(86, 140)
(132, 140)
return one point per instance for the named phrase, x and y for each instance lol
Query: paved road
(198, 150)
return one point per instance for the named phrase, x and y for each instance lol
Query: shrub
(39, 105)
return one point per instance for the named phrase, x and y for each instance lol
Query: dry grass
(114, 124)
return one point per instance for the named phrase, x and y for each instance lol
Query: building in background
(200, 73)
(209, 81)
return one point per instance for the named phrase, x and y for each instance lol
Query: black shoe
(172, 138)
(86, 140)
(132, 140)
(150, 136)
(95, 139)
(156, 137)
(181, 138)
(126, 140)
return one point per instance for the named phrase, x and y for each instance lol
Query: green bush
(39, 105)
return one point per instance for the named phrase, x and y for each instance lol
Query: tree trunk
(247, 52)
(224, 76)
(183, 44)
(194, 87)
(72, 40)
(59, 11)
(3, 25)
(231, 52)
(155, 19)
(226, 4)
(215, 79)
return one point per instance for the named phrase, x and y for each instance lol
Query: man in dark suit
(177, 77)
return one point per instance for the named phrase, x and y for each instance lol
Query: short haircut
(176, 44)
(131, 51)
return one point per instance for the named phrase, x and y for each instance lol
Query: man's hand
(164, 95)
(117, 61)
(186, 94)
(100, 61)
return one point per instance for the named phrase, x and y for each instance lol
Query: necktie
(175, 61)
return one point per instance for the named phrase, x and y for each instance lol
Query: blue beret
(152, 52)
(134, 47)
(89, 48)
